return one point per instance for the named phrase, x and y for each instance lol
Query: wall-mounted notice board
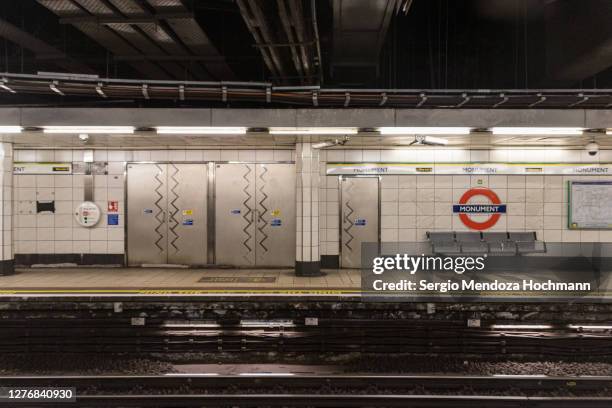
(590, 205)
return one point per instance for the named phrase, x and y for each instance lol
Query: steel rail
(325, 391)
(288, 380)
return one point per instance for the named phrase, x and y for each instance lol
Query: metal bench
(471, 242)
(443, 242)
(499, 243)
(527, 242)
(494, 243)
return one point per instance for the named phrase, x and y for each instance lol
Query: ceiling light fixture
(312, 131)
(89, 129)
(542, 131)
(590, 327)
(429, 140)
(424, 130)
(522, 326)
(7, 88)
(330, 143)
(10, 129)
(200, 130)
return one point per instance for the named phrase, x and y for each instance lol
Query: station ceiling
(311, 44)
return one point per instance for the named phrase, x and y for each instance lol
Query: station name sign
(42, 168)
(479, 209)
(469, 168)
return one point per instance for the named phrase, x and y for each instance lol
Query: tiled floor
(142, 280)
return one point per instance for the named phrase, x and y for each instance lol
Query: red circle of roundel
(467, 221)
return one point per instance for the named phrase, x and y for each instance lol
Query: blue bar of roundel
(472, 208)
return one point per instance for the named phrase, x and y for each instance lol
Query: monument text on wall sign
(480, 168)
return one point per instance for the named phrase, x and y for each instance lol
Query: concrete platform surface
(156, 281)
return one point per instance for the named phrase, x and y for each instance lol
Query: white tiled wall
(58, 233)
(48, 233)
(307, 193)
(6, 209)
(412, 205)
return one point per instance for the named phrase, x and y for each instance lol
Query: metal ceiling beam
(136, 19)
(161, 34)
(255, 20)
(292, 19)
(359, 31)
(288, 27)
(162, 57)
(40, 48)
(134, 35)
(193, 36)
(104, 36)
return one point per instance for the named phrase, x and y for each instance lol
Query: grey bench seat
(527, 242)
(494, 243)
(499, 243)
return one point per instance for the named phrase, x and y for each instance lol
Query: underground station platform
(129, 282)
(313, 204)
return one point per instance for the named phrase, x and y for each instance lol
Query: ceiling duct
(167, 43)
(103, 35)
(359, 31)
(41, 50)
(97, 91)
(192, 35)
(286, 42)
(159, 38)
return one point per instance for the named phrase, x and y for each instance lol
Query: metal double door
(360, 213)
(167, 213)
(255, 214)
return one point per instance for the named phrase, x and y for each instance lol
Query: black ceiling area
(418, 53)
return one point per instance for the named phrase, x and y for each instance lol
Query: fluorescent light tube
(430, 140)
(10, 129)
(438, 130)
(589, 327)
(200, 130)
(266, 374)
(522, 326)
(312, 131)
(565, 131)
(267, 323)
(89, 129)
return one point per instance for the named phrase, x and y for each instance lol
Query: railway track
(252, 390)
(341, 336)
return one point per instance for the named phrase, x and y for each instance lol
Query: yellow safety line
(185, 291)
(278, 291)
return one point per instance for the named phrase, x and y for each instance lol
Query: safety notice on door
(113, 206)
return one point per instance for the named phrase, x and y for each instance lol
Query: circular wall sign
(494, 210)
(87, 214)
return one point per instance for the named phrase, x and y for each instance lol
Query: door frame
(211, 197)
(340, 211)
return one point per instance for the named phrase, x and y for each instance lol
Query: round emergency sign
(87, 214)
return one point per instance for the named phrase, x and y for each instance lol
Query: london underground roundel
(495, 209)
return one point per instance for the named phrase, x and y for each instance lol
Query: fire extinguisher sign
(113, 206)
